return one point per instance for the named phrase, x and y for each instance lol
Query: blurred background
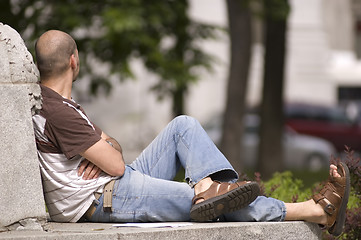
(275, 83)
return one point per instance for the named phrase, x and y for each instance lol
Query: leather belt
(107, 201)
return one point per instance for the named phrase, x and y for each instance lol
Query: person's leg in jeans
(142, 195)
(262, 209)
(184, 143)
(145, 190)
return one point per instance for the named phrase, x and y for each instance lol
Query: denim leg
(184, 142)
(263, 209)
(141, 198)
(145, 193)
(138, 197)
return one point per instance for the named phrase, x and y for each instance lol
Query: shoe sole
(337, 229)
(229, 202)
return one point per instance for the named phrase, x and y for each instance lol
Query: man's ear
(73, 61)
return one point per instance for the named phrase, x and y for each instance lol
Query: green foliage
(354, 200)
(161, 34)
(285, 187)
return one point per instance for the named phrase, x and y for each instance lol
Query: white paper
(153, 225)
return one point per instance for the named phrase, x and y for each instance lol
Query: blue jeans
(146, 192)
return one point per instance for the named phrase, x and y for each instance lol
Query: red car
(329, 123)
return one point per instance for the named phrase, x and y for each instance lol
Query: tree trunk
(272, 122)
(239, 18)
(178, 101)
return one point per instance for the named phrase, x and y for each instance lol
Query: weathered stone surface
(28, 224)
(20, 182)
(16, 62)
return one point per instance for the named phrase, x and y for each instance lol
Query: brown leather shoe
(221, 198)
(333, 198)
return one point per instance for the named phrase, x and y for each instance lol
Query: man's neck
(60, 86)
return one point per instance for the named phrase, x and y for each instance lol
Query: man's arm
(112, 142)
(105, 157)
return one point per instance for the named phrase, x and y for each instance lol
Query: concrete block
(20, 181)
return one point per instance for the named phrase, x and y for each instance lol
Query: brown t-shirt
(62, 132)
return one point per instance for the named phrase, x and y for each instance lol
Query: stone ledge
(211, 231)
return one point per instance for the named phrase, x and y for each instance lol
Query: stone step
(210, 231)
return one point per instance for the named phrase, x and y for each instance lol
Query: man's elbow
(118, 171)
(119, 167)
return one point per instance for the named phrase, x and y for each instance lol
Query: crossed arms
(102, 157)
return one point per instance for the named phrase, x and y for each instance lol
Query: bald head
(53, 50)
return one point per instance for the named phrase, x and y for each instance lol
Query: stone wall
(21, 195)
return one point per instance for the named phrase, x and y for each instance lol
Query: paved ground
(211, 231)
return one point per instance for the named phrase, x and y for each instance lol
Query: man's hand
(90, 170)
